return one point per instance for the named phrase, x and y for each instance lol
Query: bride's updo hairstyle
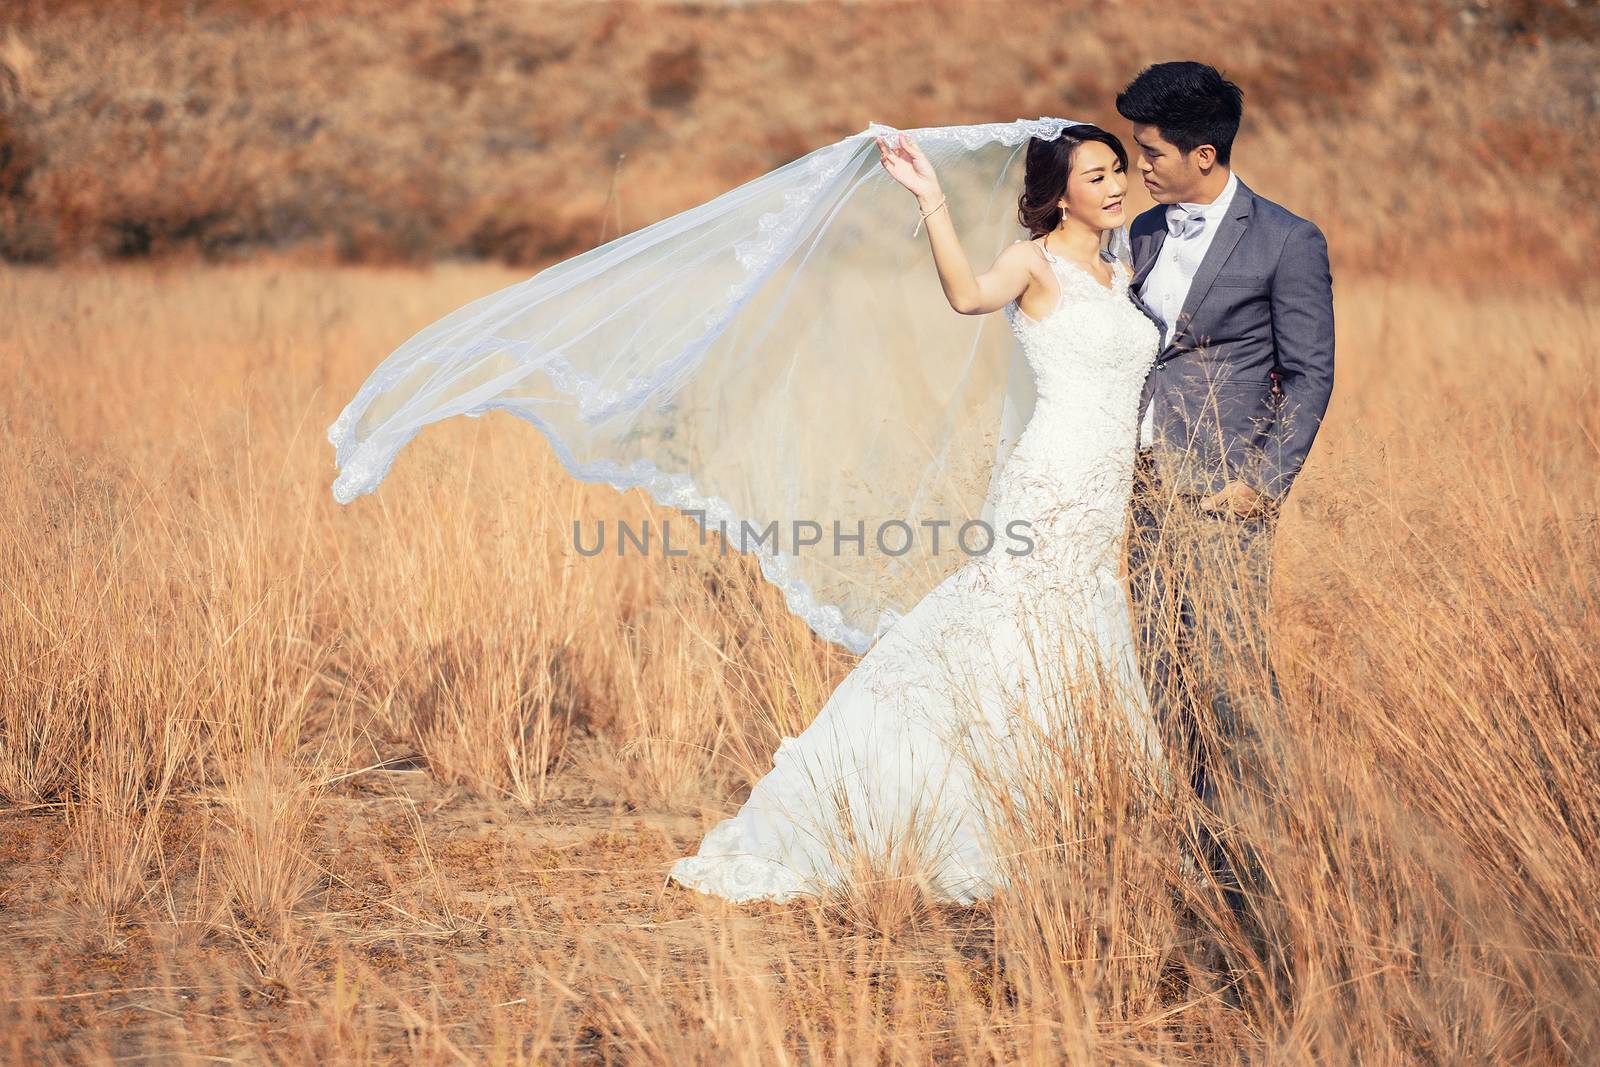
(1049, 162)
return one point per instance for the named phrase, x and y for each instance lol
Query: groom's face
(1170, 174)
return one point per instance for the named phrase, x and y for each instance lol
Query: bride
(777, 354)
(902, 755)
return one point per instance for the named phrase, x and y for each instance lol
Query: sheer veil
(780, 359)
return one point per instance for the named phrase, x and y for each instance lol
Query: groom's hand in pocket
(1236, 499)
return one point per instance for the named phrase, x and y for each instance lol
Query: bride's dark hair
(1045, 174)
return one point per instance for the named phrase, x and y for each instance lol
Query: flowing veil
(780, 359)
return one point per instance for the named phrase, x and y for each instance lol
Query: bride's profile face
(1095, 186)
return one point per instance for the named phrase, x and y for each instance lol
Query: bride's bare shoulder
(1023, 253)
(1022, 246)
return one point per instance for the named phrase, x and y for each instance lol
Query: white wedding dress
(907, 748)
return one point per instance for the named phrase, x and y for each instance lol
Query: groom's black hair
(1190, 103)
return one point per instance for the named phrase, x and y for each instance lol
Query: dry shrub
(437, 129)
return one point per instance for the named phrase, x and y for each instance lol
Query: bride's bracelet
(925, 215)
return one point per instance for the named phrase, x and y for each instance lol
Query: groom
(1242, 292)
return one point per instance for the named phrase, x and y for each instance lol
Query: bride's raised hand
(910, 166)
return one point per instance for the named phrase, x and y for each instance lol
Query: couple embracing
(1181, 364)
(1179, 391)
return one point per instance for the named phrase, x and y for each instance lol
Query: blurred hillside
(1450, 137)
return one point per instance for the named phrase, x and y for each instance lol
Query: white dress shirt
(1166, 287)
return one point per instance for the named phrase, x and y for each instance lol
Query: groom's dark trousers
(1199, 582)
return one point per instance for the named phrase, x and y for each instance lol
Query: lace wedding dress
(908, 748)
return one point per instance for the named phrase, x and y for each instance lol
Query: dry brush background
(282, 781)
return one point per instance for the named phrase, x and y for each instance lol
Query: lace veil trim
(366, 442)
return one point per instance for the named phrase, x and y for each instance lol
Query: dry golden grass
(400, 781)
(282, 781)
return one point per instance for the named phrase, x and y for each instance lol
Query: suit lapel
(1152, 245)
(1229, 230)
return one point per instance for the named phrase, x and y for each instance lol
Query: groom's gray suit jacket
(1261, 303)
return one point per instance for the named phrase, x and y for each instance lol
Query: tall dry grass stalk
(402, 780)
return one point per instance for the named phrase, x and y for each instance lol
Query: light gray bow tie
(1181, 223)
